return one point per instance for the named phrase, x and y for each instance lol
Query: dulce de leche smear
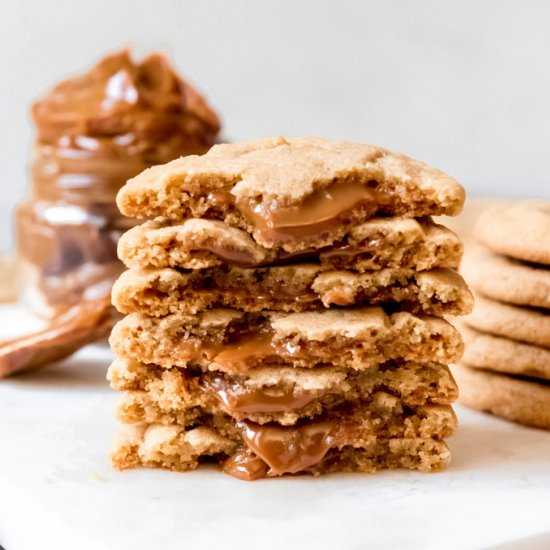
(94, 131)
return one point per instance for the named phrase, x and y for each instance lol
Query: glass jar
(94, 132)
(68, 228)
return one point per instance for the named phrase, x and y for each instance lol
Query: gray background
(462, 85)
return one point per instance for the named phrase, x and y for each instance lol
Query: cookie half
(379, 243)
(300, 287)
(517, 323)
(525, 401)
(295, 194)
(384, 416)
(520, 230)
(278, 394)
(177, 448)
(234, 342)
(506, 279)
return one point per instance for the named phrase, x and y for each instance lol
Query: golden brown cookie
(484, 350)
(296, 193)
(506, 279)
(525, 401)
(175, 448)
(280, 394)
(232, 341)
(384, 415)
(376, 244)
(517, 323)
(298, 287)
(520, 230)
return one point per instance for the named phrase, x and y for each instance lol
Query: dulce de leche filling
(242, 353)
(245, 465)
(320, 212)
(283, 449)
(236, 397)
(244, 258)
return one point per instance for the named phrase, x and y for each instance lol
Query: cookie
(521, 400)
(384, 416)
(517, 323)
(299, 287)
(232, 341)
(520, 230)
(506, 279)
(295, 194)
(177, 448)
(283, 395)
(376, 244)
(487, 351)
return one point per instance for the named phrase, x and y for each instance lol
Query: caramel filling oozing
(236, 397)
(318, 213)
(284, 449)
(245, 350)
(246, 466)
(240, 354)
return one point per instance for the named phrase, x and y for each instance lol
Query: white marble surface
(57, 490)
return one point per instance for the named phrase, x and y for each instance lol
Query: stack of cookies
(506, 366)
(284, 311)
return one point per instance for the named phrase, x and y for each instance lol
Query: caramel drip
(318, 213)
(290, 449)
(236, 397)
(246, 466)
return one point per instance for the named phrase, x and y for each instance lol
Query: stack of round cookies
(505, 369)
(285, 311)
